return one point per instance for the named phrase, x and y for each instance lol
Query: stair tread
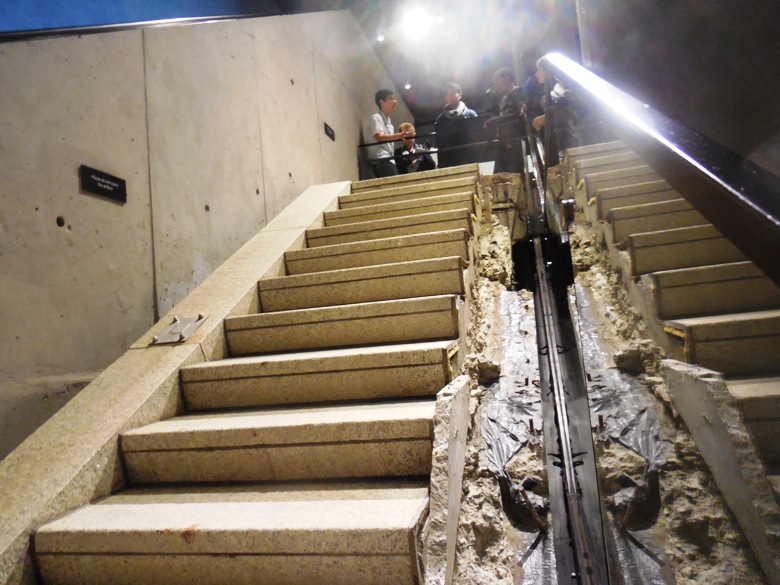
(412, 178)
(758, 398)
(406, 206)
(287, 426)
(737, 320)
(317, 360)
(262, 519)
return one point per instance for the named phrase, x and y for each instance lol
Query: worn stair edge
(432, 204)
(282, 444)
(469, 170)
(648, 217)
(680, 248)
(607, 162)
(388, 228)
(758, 398)
(739, 343)
(391, 371)
(719, 288)
(386, 322)
(344, 533)
(381, 251)
(710, 413)
(417, 278)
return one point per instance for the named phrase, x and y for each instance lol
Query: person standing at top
(509, 122)
(379, 128)
(454, 108)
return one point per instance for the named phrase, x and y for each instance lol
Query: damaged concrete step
(470, 171)
(391, 228)
(330, 534)
(402, 280)
(578, 153)
(408, 192)
(398, 321)
(651, 217)
(720, 288)
(759, 401)
(592, 183)
(739, 343)
(382, 251)
(608, 161)
(606, 200)
(680, 248)
(283, 444)
(386, 371)
(433, 204)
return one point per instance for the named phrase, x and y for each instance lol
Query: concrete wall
(215, 127)
(713, 65)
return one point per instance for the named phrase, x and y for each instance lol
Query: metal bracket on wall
(179, 330)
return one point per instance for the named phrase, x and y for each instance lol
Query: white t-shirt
(379, 124)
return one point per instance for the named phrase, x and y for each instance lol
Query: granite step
(733, 344)
(592, 183)
(680, 248)
(330, 534)
(650, 217)
(284, 444)
(384, 322)
(402, 280)
(606, 200)
(470, 171)
(431, 204)
(363, 373)
(759, 401)
(720, 288)
(578, 153)
(382, 251)
(407, 192)
(608, 161)
(391, 228)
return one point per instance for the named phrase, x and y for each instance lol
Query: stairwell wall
(216, 128)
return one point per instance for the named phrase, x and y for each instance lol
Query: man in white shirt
(380, 129)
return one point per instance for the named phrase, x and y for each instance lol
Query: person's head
(452, 94)
(504, 80)
(407, 128)
(541, 74)
(385, 100)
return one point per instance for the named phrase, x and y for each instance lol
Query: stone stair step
(284, 444)
(734, 344)
(432, 204)
(608, 161)
(387, 371)
(465, 171)
(577, 153)
(592, 183)
(402, 280)
(759, 401)
(407, 192)
(391, 228)
(650, 217)
(635, 194)
(680, 248)
(774, 482)
(385, 322)
(382, 251)
(720, 288)
(345, 534)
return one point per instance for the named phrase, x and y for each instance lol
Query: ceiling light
(416, 23)
(380, 38)
(408, 86)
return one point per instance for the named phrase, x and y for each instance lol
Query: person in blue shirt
(454, 108)
(411, 157)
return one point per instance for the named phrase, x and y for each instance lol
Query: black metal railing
(740, 198)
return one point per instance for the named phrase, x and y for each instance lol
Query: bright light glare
(381, 38)
(408, 86)
(417, 22)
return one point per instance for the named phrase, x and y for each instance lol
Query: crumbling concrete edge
(450, 432)
(716, 424)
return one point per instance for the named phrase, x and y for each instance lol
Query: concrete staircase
(304, 456)
(706, 305)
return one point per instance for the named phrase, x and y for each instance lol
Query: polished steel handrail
(740, 198)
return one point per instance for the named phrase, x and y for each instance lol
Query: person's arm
(379, 137)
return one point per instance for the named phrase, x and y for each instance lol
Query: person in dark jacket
(410, 157)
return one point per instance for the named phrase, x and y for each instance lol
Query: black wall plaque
(331, 133)
(103, 184)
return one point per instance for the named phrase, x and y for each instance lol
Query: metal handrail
(740, 198)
